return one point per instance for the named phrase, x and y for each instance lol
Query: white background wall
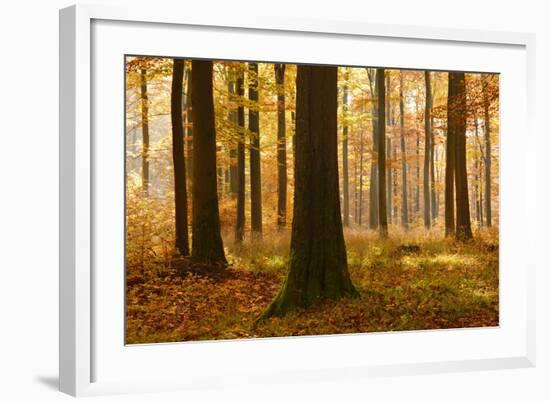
(29, 199)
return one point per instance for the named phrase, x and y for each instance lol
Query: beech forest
(267, 200)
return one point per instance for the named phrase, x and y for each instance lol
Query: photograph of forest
(267, 199)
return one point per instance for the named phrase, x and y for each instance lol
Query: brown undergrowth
(417, 281)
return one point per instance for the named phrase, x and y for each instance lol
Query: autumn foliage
(408, 269)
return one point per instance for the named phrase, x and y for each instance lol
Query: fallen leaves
(429, 284)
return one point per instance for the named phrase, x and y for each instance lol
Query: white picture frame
(82, 354)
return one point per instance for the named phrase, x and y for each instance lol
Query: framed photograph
(279, 200)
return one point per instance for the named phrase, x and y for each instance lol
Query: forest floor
(412, 282)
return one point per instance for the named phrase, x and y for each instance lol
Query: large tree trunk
(487, 125)
(373, 191)
(427, 150)
(381, 131)
(255, 166)
(207, 245)
(318, 263)
(345, 158)
(144, 132)
(239, 226)
(450, 154)
(463, 227)
(178, 156)
(404, 205)
(281, 145)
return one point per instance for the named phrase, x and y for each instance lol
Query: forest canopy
(271, 199)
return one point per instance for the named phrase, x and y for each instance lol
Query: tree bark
(178, 156)
(207, 245)
(427, 150)
(381, 131)
(255, 166)
(389, 184)
(404, 206)
(457, 128)
(389, 176)
(189, 131)
(345, 158)
(481, 219)
(463, 225)
(373, 191)
(232, 117)
(239, 226)
(281, 146)
(417, 192)
(476, 188)
(435, 212)
(144, 132)
(361, 151)
(318, 263)
(487, 126)
(450, 154)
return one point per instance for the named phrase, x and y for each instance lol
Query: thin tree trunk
(427, 150)
(417, 193)
(437, 181)
(476, 189)
(404, 206)
(480, 160)
(389, 180)
(318, 263)
(395, 185)
(133, 164)
(487, 125)
(255, 165)
(450, 155)
(355, 188)
(361, 151)
(221, 176)
(189, 131)
(410, 190)
(144, 132)
(239, 226)
(178, 156)
(389, 161)
(457, 124)
(345, 167)
(373, 190)
(434, 207)
(432, 171)
(207, 245)
(232, 117)
(481, 218)
(281, 146)
(381, 131)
